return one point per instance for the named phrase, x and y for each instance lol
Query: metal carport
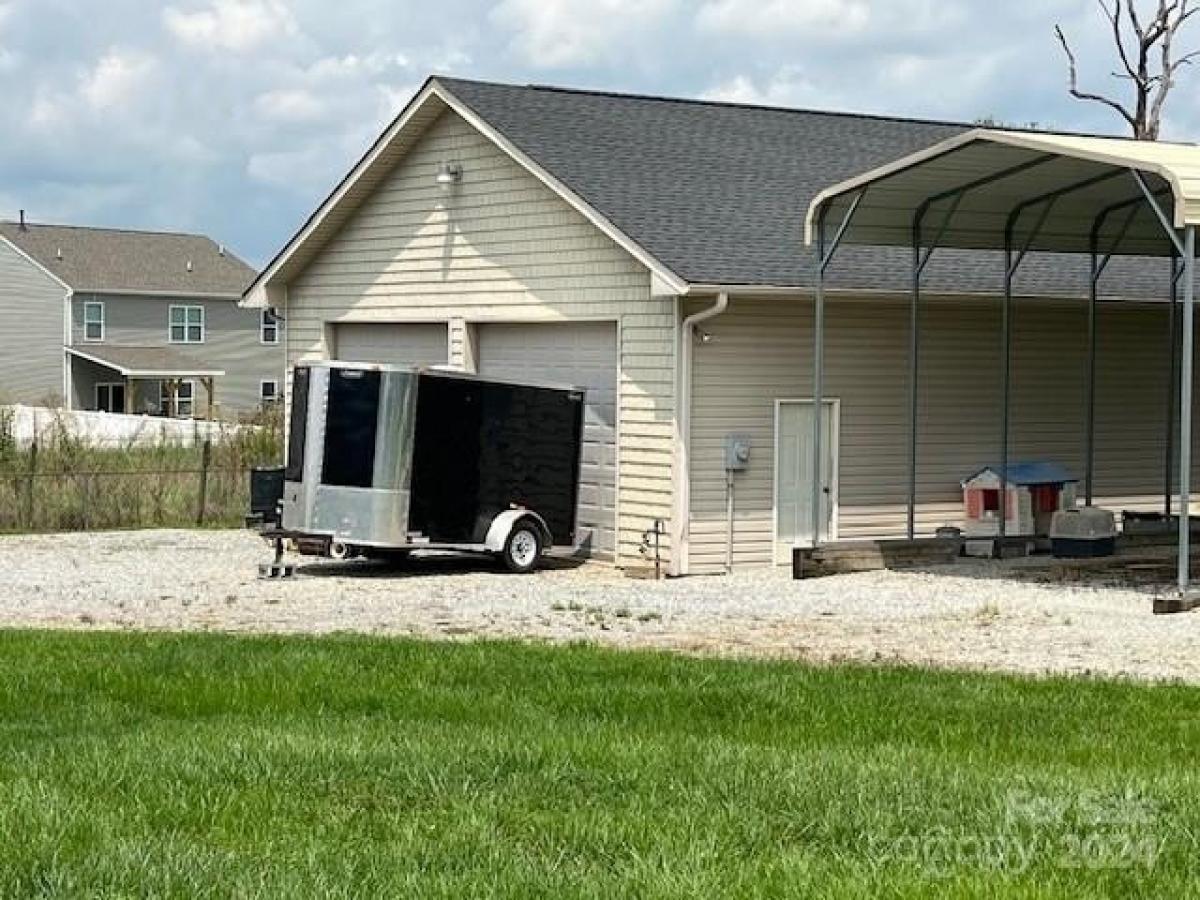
(1018, 193)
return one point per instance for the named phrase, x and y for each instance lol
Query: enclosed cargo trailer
(389, 459)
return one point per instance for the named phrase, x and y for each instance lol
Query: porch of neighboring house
(142, 381)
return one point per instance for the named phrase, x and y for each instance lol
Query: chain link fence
(66, 485)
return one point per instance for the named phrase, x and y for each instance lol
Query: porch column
(210, 391)
(128, 395)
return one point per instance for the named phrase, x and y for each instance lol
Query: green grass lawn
(145, 765)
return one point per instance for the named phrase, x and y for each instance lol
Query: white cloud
(786, 87)
(294, 105)
(813, 21)
(559, 33)
(311, 168)
(117, 79)
(776, 18)
(9, 59)
(233, 25)
(111, 89)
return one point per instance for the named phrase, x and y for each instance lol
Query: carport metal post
(1089, 415)
(824, 258)
(1172, 385)
(920, 261)
(1096, 268)
(1185, 406)
(1187, 249)
(1011, 265)
(914, 347)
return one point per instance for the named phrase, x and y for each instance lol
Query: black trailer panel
(482, 447)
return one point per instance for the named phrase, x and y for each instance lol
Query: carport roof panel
(1006, 169)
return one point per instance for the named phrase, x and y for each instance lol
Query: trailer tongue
(387, 459)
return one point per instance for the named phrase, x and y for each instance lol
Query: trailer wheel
(340, 551)
(522, 548)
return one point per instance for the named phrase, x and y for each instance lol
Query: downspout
(681, 505)
(68, 384)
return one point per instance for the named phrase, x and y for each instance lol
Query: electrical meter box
(737, 452)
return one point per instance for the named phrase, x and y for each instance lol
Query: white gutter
(681, 474)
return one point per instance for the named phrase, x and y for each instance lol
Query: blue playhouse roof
(1030, 473)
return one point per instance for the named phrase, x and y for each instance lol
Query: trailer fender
(504, 523)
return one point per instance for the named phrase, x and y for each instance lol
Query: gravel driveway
(200, 581)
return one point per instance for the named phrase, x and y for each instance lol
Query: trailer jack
(277, 568)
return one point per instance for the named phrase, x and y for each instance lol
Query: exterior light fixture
(449, 174)
(705, 337)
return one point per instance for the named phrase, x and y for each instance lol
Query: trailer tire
(522, 547)
(341, 552)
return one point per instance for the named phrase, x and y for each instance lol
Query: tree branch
(1083, 95)
(1168, 68)
(1114, 17)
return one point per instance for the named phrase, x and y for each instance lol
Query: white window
(185, 399)
(187, 325)
(268, 391)
(268, 327)
(110, 397)
(93, 320)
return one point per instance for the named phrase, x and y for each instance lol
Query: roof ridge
(766, 107)
(150, 231)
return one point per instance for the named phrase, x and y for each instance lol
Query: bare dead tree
(1138, 44)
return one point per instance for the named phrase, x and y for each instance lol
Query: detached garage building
(651, 250)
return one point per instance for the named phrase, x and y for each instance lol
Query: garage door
(420, 344)
(582, 354)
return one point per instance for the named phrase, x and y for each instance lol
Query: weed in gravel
(988, 613)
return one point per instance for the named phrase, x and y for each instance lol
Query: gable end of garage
(499, 274)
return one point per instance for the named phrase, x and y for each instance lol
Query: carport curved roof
(1054, 192)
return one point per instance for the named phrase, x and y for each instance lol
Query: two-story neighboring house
(131, 321)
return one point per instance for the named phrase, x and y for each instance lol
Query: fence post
(87, 502)
(33, 455)
(205, 458)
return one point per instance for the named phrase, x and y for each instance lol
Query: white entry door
(793, 472)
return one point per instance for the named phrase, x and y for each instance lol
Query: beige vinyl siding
(762, 352)
(500, 247)
(31, 330)
(231, 342)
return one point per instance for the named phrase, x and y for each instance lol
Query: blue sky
(235, 117)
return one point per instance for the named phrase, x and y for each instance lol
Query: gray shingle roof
(717, 192)
(108, 260)
(150, 361)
